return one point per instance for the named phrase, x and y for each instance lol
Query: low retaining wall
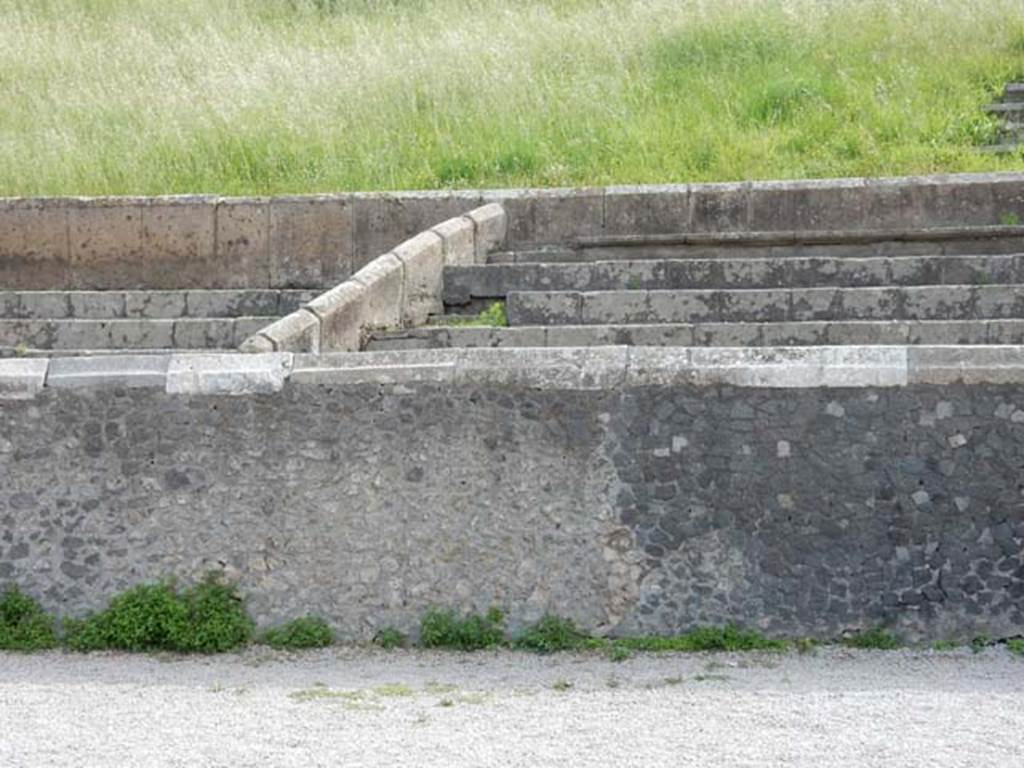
(316, 242)
(801, 491)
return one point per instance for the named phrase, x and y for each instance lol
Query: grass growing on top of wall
(278, 96)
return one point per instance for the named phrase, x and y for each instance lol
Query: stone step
(1011, 110)
(807, 333)
(952, 241)
(153, 305)
(1013, 92)
(952, 302)
(493, 281)
(1004, 148)
(181, 333)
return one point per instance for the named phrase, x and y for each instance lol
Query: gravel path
(346, 707)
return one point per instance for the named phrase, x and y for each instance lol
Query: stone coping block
(128, 371)
(966, 365)
(422, 260)
(297, 332)
(570, 368)
(342, 316)
(458, 241)
(490, 224)
(21, 379)
(227, 374)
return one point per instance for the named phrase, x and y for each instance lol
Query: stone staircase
(73, 323)
(939, 286)
(1011, 111)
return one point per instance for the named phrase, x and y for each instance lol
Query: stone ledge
(239, 374)
(129, 371)
(548, 368)
(21, 379)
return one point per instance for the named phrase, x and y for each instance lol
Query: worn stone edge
(570, 368)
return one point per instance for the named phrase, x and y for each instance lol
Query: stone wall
(318, 241)
(804, 492)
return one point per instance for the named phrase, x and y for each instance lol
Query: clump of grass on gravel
(873, 639)
(492, 317)
(24, 626)
(1015, 646)
(265, 96)
(551, 634)
(446, 629)
(206, 618)
(306, 632)
(389, 638)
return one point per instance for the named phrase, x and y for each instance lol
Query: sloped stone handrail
(399, 289)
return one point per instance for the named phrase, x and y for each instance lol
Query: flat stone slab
(22, 379)
(128, 371)
(230, 374)
(941, 302)
(463, 283)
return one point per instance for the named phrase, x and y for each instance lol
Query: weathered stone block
(125, 371)
(243, 244)
(178, 242)
(423, 260)
(384, 281)
(44, 305)
(719, 207)
(582, 368)
(107, 249)
(547, 216)
(310, 241)
(458, 241)
(34, 245)
(96, 305)
(233, 303)
(204, 333)
(646, 210)
(342, 313)
(966, 365)
(227, 374)
(491, 223)
(22, 379)
(297, 332)
(154, 304)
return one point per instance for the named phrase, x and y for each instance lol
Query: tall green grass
(268, 96)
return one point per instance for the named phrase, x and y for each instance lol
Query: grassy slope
(263, 96)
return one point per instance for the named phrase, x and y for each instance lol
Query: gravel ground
(346, 706)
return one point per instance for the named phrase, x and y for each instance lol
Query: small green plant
(980, 643)
(561, 685)
(945, 645)
(727, 638)
(617, 652)
(307, 632)
(805, 645)
(445, 629)
(552, 634)
(143, 618)
(206, 618)
(492, 317)
(389, 638)
(1015, 646)
(1009, 220)
(876, 639)
(24, 626)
